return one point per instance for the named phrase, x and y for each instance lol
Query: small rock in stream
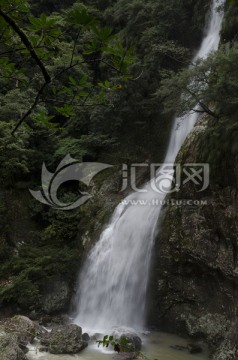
(194, 348)
(85, 337)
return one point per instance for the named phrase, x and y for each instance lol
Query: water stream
(113, 281)
(156, 346)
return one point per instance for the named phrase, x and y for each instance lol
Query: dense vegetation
(109, 111)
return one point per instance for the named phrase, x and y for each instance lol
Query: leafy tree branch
(27, 44)
(45, 41)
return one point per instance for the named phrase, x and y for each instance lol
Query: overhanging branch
(205, 108)
(27, 44)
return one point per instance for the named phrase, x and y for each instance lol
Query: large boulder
(23, 329)
(64, 339)
(9, 349)
(125, 356)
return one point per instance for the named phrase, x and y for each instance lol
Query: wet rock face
(228, 349)
(197, 260)
(56, 296)
(195, 265)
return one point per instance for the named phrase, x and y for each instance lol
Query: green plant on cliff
(208, 83)
(219, 148)
(27, 271)
(213, 84)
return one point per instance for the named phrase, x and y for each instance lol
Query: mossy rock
(9, 349)
(23, 329)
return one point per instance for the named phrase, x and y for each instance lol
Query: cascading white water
(113, 281)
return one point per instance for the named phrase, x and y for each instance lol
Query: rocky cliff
(195, 272)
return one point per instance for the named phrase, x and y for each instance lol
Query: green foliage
(98, 106)
(63, 225)
(27, 271)
(22, 291)
(210, 81)
(213, 84)
(230, 25)
(5, 249)
(111, 341)
(119, 345)
(13, 156)
(42, 41)
(219, 148)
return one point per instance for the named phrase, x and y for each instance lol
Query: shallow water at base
(156, 346)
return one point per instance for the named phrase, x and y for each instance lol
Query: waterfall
(113, 281)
